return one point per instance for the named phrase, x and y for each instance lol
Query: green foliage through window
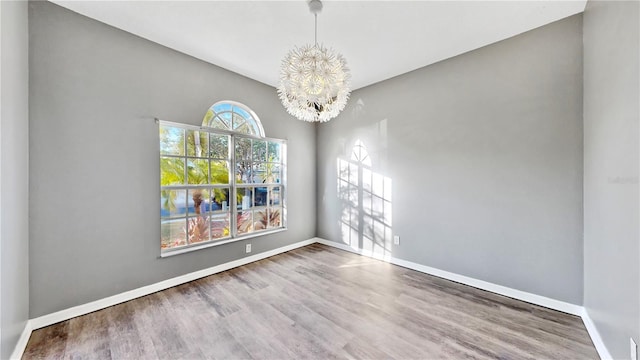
(209, 193)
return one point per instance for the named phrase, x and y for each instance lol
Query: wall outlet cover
(396, 240)
(248, 248)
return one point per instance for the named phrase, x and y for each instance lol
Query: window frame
(233, 186)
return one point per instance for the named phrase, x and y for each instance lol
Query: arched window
(233, 116)
(219, 182)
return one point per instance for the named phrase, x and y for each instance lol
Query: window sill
(182, 250)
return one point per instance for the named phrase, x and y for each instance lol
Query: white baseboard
(480, 284)
(22, 342)
(595, 336)
(79, 310)
(75, 311)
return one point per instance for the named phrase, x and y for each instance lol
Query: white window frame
(233, 186)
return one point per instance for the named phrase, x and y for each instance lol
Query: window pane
(171, 141)
(172, 233)
(274, 151)
(275, 215)
(225, 119)
(243, 149)
(260, 219)
(219, 146)
(219, 226)
(274, 196)
(260, 196)
(243, 172)
(171, 171)
(197, 143)
(259, 173)
(274, 173)
(173, 202)
(220, 200)
(198, 201)
(245, 198)
(219, 172)
(197, 172)
(198, 229)
(240, 125)
(259, 150)
(240, 111)
(245, 222)
(218, 123)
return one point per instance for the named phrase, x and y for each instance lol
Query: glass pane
(198, 201)
(243, 172)
(240, 111)
(207, 118)
(259, 150)
(260, 220)
(243, 149)
(225, 118)
(274, 173)
(259, 173)
(197, 143)
(219, 172)
(219, 226)
(275, 217)
(241, 126)
(198, 229)
(220, 200)
(171, 171)
(260, 196)
(171, 140)
(217, 123)
(274, 196)
(274, 151)
(172, 233)
(197, 172)
(245, 198)
(219, 146)
(245, 222)
(173, 202)
(221, 107)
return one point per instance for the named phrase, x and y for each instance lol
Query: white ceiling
(379, 39)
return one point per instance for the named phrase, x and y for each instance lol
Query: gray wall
(95, 229)
(483, 153)
(14, 174)
(611, 112)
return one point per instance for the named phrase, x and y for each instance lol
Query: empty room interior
(307, 179)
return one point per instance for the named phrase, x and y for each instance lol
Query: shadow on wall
(365, 201)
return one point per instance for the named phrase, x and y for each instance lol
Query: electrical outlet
(248, 248)
(396, 240)
(634, 349)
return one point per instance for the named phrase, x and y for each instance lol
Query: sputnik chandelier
(314, 80)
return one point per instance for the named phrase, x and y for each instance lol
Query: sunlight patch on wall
(365, 198)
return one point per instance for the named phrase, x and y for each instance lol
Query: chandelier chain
(316, 29)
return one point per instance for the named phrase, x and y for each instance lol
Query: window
(219, 182)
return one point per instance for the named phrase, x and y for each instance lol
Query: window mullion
(233, 217)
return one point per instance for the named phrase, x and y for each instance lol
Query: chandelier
(314, 80)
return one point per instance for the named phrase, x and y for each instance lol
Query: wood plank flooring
(317, 302)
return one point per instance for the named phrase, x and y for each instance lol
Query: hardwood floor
(317, 302)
